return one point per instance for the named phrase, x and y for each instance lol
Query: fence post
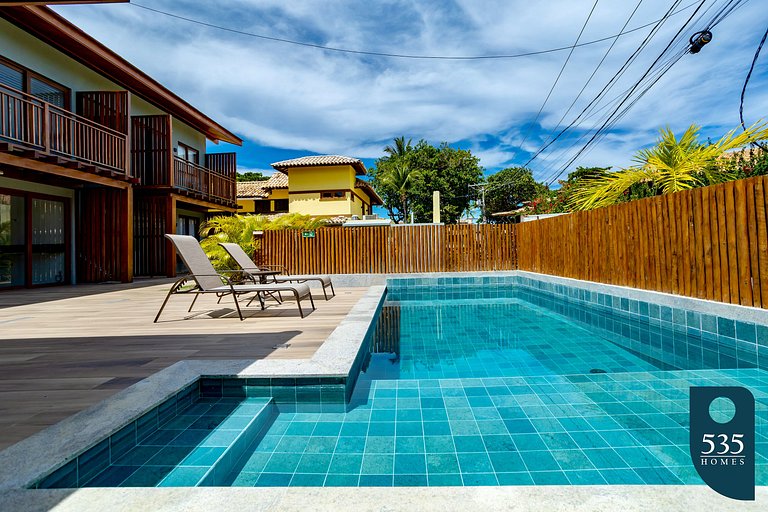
(258, 248)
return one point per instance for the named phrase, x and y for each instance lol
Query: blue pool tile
(520, 478)
(539, 461)
(314, 463)
(376, 480)
(183, 477)
(63, 478)
(585, 477)
(346, 463)
(549, 478)
(506, 462)
(474, 463)
(443, 480)
(410, 480)
(479, 479)
(409, 463)
(307, 480)
(350, 445)
(341, 480)
(442, 463)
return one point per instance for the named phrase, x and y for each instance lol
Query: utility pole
(482, 187)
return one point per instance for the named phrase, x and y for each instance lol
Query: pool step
(238, 450)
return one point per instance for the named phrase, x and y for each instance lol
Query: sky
(286, 100)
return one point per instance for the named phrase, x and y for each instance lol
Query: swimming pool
(466, 384)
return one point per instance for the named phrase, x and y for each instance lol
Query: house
(323, 186)
(97, 159)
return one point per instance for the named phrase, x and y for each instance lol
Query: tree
(448, 170)
(670, 166)
(400, 149)
(507, 189)
(399, 177)
(251, 176)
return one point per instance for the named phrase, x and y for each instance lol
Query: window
(281, 205)
(188, 153)
(333, 195)
(261, 206)
(26, 80)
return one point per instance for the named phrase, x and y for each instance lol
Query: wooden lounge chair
(245, 262)
(207, 280)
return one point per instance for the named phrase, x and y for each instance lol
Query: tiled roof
(375, 199)
(277, 180)
(321, 160)
(252, 189)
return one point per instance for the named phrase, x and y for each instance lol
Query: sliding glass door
(33, 240)
(48, 242)
(13, 244)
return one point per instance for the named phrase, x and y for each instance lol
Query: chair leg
(170, 292)
(298, 303)
(325, 294)
(333, 292)
(312, 301)
(193, 303)
(237, 305)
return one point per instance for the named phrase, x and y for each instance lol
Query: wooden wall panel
(101, 236)
(150, 224)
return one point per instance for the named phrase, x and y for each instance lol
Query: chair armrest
(279, 267)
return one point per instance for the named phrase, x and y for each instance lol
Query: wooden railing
(396, 249)
(197, 179)
(34, 124)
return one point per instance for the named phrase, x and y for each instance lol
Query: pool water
(499, 392)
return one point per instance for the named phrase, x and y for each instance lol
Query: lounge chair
(245, 262)
(207, 280)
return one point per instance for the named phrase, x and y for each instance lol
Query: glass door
(12, 241)
(48, 242)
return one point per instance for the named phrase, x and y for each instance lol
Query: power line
(746, 81)
(557, 78)
(611, 82)
(399, 55)
(613, 114)
(594, 72)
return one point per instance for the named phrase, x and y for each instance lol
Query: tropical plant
(507, 189)
(400, 177)
(448, 170)
(400, 149)
(239, 229)
(670, 166)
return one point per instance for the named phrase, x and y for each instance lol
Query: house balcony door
(48, 245)
(33, 240)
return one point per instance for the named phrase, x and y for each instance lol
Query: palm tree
(400, 149)
(670, 166)
(400, 177)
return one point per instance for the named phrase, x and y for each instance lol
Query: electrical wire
(611, 82)
(744, 88)
(399, 55)
(560, 74)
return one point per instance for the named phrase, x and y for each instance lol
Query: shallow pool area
(463, 382)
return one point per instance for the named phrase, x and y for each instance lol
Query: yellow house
(324, 186)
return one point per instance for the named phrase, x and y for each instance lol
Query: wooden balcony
(217, 186)
(155, 165)
(42, 131)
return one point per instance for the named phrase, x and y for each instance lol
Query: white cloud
(299, 98)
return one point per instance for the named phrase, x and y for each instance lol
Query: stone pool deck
(65, 349)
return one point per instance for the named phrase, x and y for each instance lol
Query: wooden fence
(709, 243)
(392, 249)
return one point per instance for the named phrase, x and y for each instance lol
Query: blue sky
(287, 101)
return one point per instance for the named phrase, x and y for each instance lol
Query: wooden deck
(64, 349)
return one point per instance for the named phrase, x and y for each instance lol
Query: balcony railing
(33, 124)
(209, 183)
